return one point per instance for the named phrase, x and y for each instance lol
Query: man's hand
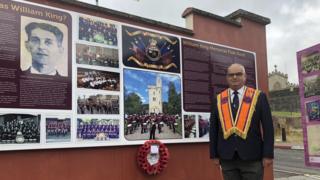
(267, 162)
(216, 161)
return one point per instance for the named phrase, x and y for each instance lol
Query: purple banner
(309, 84)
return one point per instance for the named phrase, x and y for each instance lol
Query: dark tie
(235, 104)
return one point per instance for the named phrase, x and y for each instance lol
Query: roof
(120, 14)
(231, 18)
(249, 15)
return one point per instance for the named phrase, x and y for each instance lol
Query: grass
(293, 136)
(285, 114)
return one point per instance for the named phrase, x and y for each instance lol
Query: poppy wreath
(143, 152)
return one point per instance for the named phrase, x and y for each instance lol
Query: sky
(294, 23)
(138, 82)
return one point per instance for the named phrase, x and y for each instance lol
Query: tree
(132, 104)
(174, 100)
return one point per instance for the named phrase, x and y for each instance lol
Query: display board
(204, 71)
(309, 89)
(72, 80)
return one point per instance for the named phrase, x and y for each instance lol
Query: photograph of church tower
(155, 97)
(152, 105)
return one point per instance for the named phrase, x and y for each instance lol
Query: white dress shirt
(240, 94)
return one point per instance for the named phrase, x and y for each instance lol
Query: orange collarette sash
(244, 115)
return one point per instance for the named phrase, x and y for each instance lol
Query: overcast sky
(295, 24)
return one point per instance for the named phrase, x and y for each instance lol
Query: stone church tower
(283, 95)
(155, 97)
(278, 80)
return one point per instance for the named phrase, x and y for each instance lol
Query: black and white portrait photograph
(43, 47)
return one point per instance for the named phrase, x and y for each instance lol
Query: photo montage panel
(308, 61)
(149, 50)
(152, 105)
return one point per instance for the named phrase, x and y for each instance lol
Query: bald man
(237, 142)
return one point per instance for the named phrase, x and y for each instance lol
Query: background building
(283, 95)
(155, 97)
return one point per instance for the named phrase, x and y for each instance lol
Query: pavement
(304, 177)
(284, 145)
(165, 134)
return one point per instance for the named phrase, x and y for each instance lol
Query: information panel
(204, 72)
(309, 89)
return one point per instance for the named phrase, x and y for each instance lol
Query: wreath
(153, 164)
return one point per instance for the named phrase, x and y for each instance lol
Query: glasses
(238, 74)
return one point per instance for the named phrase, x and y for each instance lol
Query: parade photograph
(152, 105)
(204, 125)
(58, 129)
(19, 128)
(97, 56)
(311, 86)
(98, 31)
(98, 104)
(96, 129)
(100, 80)
(190, 129)
(310, 63)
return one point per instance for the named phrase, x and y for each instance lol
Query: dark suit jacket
(255, 147)
(29, 72)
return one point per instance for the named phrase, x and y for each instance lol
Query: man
(239, 114)
(153, 129)
(45, 46)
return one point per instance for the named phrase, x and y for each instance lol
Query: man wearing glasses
(45, 46)
(241, 129)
